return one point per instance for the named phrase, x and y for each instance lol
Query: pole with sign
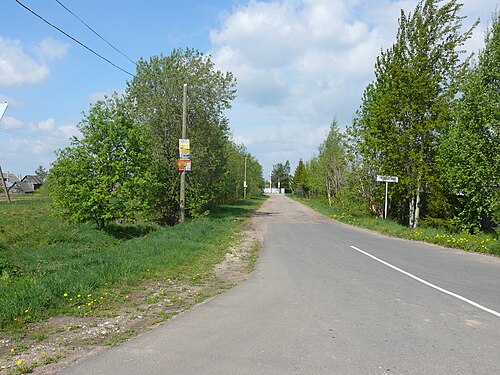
(3, 108)
(386, 179)
(182, 194)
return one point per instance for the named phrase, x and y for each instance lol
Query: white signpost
(386, 179)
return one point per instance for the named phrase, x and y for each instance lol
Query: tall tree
(157, 91)
(404, 112)
(299, 180)
(332, 161)
(470, 153)
(280, 175)
(41, 172)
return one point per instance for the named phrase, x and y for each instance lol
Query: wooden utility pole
(182, 216)
(3, 108)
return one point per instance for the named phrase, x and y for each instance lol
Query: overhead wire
(44, 139)
(95, 32)
(72, 38)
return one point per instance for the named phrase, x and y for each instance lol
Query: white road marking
(429, 284)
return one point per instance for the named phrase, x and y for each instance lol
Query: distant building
(28, 184)
(35, 181)
(20, 187)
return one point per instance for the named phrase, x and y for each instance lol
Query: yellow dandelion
(65, 294)
(12, 350)
(79, 295)
(26, 311)
(19, 362)
(43, 353)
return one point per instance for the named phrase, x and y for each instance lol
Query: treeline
(124, 167)
(430, 117)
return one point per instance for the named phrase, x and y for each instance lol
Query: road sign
(387, 178)
(3, 108)
(184, 151)
(184, 165)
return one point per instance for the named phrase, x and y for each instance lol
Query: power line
(72, 38)
(96, 33)
(40, 138)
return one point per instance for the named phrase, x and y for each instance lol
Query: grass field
(49, 267)
(481, 242)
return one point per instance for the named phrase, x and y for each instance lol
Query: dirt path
(49, 346)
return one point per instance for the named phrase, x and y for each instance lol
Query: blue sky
(298, 64)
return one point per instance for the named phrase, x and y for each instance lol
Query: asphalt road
(320, 303)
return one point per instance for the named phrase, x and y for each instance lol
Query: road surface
(326, 298)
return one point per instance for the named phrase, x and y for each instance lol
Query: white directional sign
(387, 178)
(3, 108)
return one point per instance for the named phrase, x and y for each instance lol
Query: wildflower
(65, 294)
(79, 295)
(26, 311)
(12, 350)
(19, 362)
(126, 297)
(43, 353)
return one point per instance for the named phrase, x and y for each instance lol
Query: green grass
(49, 267)
(481, 242)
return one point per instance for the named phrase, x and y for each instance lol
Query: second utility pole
(183, 173)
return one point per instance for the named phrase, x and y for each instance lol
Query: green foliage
(56, 261)
(157, 91)
(328, 169)
(280, 175)
(299, 182)
(404, 112)
(103, 176)
(125, 166)
(470, 153)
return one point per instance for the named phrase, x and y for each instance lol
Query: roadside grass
(49, 267)
(480, 242)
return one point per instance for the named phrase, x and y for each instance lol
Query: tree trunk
(328, 192)
(412, 212)
(417, 208)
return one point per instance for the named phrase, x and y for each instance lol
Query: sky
(298, 63)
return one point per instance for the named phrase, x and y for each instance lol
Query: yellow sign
(184, 152)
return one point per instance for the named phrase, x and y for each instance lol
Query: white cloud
(100, 95)
(51, 49)
(19, 68)
(12, 123)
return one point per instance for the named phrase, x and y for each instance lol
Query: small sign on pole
(184, 149)
(184, 165)
(386, 179)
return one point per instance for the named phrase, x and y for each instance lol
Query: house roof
(21, 187)
(32, 179)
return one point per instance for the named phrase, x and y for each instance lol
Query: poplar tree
(470, 153)
(405, 110)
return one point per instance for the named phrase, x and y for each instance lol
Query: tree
(470, 153)
(406, 109)
(332, 162)
(280, 175)
(41, 172)
(157, 91)
(104, 175)
(299, 181)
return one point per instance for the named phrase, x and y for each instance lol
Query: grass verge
(481, 242)
(52, 268)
